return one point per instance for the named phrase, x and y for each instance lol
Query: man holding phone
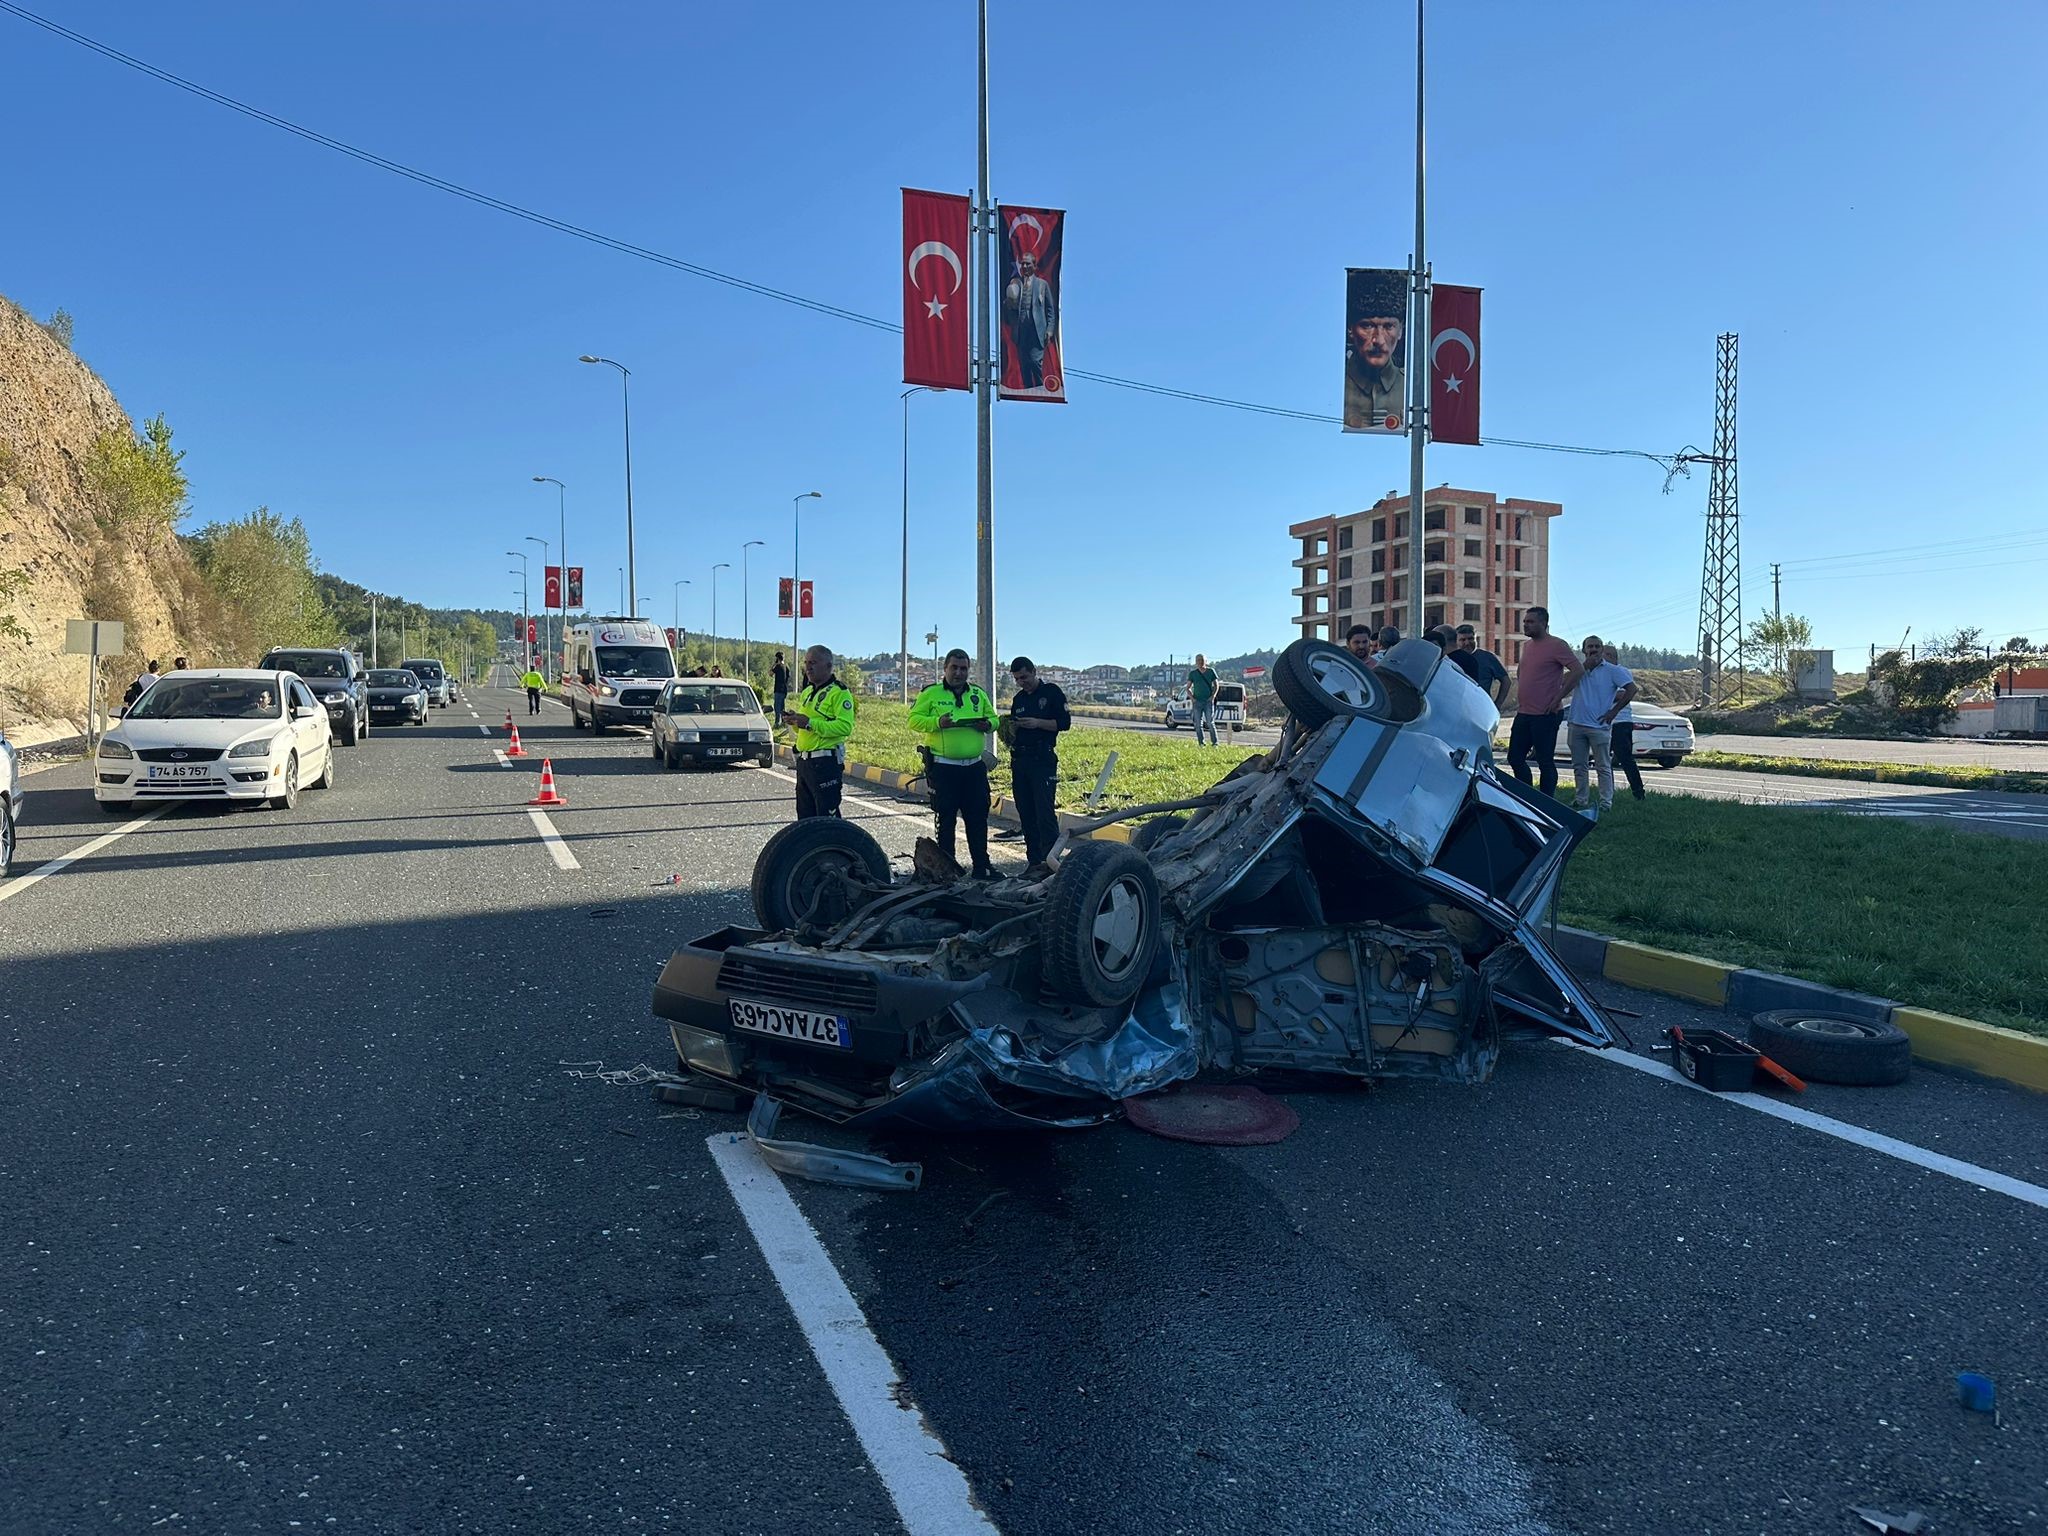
(957, 719)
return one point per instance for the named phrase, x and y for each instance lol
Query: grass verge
(1945, 776)
(1149, 766)
(1944, 920)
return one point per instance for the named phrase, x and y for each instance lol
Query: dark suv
(337, 680)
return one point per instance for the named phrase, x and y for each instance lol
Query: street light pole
(562, 515)
(903, 635)
(626, 402)
(796, 576)
(544, 546)
(723, 565)
(984, 386)
(525, 609)
(675, 611)
(1418, 384)
(746, 618)
(624, 612)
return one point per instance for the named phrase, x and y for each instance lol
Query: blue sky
(1851, 186)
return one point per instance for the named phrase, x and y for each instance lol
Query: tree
(261, 569)
(1775, 645)
(138, 478)
(2019, 645)
(58, 326)
(12, 584)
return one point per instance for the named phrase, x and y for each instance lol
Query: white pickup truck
(1229, 708)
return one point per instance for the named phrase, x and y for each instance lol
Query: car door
(312, 734)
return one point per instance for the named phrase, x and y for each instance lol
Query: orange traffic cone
(547, 794)
(515, 750)
(508, 722)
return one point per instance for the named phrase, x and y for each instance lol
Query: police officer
(822, 716)
(1038, 713)
(956, 718)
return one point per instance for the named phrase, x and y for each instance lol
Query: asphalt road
(1942, 752)
(314, 1223)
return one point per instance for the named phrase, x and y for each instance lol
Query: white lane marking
(1841, 1130)
(485, 729)
(557, 849)
(872, 804)
(503, 760)
(50, 867)
(930, 1493)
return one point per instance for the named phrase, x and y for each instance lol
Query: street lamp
(626, 403)
(622, 592)
(544, 547)
(675, 596)
(723, 565)
(746, 627)
(932, 640)
(525, 607)
(796, 583)
(903, 637)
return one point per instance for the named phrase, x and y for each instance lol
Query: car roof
(246, 673)
(720, 679)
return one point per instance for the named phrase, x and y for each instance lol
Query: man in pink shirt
(1547, 672)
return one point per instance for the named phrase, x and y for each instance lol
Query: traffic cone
(515, 750)
(508, 722)
(547, 794)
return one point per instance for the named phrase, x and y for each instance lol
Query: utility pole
(1417, 361)
(373, 629)
(1778, 610)
(1721, 570)
(984, 384)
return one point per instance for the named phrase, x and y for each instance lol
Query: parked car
(703, 720)
(433, 675)
(221, 734)
(10, 801)
(337, 680)
(1661, 734)
(1365, 901)
(1229, 708)
(398, 696)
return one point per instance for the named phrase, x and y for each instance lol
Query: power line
(1673, 464)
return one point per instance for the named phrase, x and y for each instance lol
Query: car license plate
(791, 1023)
(722, 751)
(162, 771)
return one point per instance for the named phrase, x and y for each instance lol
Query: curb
(1943, 1039)
(1940, 1038)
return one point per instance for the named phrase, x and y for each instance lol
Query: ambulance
(616, 670)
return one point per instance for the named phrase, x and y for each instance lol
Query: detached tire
(798, 877)
(1832, 1048)
(1154, 830)
(1318, 681)
(1100, 930)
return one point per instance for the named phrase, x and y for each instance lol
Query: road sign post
(94, 638)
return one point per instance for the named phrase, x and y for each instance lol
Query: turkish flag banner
(551, 587)
(671, 636)
(532, 631)
(784, 607)
(935, 319)
(1454, 364)
(575, 586)
(1028, 259)
(804, 601)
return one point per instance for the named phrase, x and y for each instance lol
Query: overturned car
(1365, 900)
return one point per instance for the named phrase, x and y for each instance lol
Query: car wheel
(1832, 1048)
(596, 726)
(670, 760)
(575, 720)
(327, 774)
(1670, 759)
(1152, 831)
(6, 838)
(1099, 932)
(1173, 725)
(818, 871)
(288, 798)
(1318, 681)
(358, 728)
(655, 746)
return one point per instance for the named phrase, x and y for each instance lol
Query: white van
(616, 671)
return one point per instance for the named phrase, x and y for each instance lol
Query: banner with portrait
(575, 586)
(1028, 249)
(1375, 350)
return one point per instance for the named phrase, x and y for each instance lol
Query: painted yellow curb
(1667, 971)
(1985, 1048)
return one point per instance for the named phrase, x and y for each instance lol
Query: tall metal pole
(1417, 361)
(562, 515)
(796, 575)
(630, 575)
(534, 538)
(723, 565)
(373, 630)
(675, 610)
(984, 386)
(746, 613)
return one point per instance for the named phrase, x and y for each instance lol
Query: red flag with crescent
(1454, 364)
(935, 290)
(551, 587)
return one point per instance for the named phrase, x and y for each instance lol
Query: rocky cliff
(59, 524)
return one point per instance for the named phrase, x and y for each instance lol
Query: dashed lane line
(50, 867)
(930, 1492)
(1841, 1130)
(862, 800)
(557, 849)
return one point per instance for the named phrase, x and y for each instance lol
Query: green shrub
(138, 479)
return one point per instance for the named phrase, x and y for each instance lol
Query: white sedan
(10, 802)
(1660, 735)
(224, 735)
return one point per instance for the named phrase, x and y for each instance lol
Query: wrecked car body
(1365, 901)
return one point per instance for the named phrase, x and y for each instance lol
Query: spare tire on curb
(1099, 931)
(813, 870)
(1833, 1048)
(1318, 681)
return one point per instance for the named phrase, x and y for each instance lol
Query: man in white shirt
(1604, 690)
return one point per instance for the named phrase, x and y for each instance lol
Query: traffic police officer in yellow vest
(822, 713)
(958, 719)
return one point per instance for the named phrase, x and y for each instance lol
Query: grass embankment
(1945, 920)
(1149, 766)
(1943, 776)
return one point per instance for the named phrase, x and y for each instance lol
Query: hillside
(78, 534)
